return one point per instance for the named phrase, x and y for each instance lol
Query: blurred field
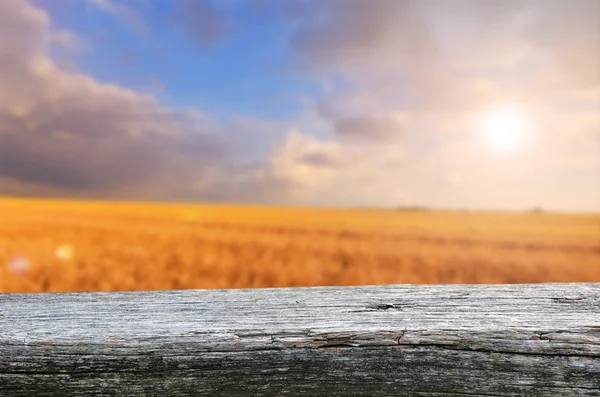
(97, 246)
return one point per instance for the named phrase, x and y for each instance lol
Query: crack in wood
(453, 340)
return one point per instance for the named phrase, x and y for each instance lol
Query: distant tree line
(422, 208)
(412, 208)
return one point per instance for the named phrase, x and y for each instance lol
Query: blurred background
(260, 143)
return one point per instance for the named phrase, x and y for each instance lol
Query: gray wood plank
(407, 340)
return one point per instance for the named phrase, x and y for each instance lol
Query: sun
(504, 127)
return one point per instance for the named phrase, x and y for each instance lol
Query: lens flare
(19, 264)
(64, 252)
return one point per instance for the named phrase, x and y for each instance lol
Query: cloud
(403, 82)
(66, 131)
(444, 54)
(382, 128)
(203, 24)
(320, 159)
(349, 31)
(305, 170)
(68, 41)
(298, 161)
(361, 117)
(412, 76)
(570, 35)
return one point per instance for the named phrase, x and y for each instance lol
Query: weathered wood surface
(394, 340)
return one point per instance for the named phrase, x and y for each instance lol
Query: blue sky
(441, 103)
(244, 73)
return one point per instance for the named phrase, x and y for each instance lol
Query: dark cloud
(356, 33)
(102, 140)
(352, 119)
(321, 159)
(371, 127)
(203, 24)
(68, 131)
(345, 27)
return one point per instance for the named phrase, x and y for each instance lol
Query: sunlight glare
(505, 127)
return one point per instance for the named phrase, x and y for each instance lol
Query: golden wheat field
(59, 246)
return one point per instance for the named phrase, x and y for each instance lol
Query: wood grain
(391, 340)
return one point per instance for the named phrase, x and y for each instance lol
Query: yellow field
(97, 246)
